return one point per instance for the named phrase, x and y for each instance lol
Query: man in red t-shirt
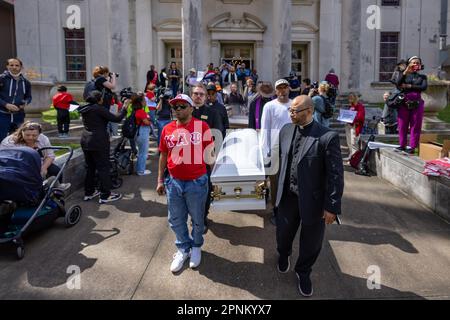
(186, 146)
(61, 102)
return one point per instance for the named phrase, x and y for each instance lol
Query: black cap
(211, 87)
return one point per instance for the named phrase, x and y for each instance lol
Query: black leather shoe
(305, 285)
(284, 263)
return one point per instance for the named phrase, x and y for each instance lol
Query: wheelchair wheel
(73, 216)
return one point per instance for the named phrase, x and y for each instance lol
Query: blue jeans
(152, 114)
(183, 198)
(9, 123)
(142, 144)
(161, 125)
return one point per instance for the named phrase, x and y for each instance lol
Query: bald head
(303, 101)
(302, 110)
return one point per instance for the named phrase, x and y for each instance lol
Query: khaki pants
(352, 140)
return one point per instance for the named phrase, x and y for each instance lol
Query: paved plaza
(124, 251)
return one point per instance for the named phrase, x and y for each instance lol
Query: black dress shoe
(284, 263)
(305, 285)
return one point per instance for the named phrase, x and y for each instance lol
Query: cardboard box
(433, 150)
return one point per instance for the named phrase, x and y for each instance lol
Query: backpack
(328, 113)
(129, 127)
(88, 88)
(107, 95)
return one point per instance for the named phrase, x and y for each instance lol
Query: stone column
(28, 34)
(351, 48)
(192, 35)
(120, 52)
(330, 37)
(144, 40)
(215, 53)
(259, 62)
(282, 40)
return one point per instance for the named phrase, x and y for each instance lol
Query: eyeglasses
(180, 106)
(201, 94)
(292, 111)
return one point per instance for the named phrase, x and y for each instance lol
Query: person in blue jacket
(15, 94)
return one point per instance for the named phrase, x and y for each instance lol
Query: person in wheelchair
(29, 134)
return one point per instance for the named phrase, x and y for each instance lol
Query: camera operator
(105, 81)
(96, 146)
(163, 111)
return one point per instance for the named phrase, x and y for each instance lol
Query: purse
(395, 100)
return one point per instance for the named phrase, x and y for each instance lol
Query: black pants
(63, 119)
(210, 186)
(311, 236)
(97, 161)
(53, 171)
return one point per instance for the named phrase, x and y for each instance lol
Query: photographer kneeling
(96, 146)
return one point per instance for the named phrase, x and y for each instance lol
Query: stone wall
(405, 173)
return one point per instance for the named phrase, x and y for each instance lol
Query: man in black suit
(310, 188)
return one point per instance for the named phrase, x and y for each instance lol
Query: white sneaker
(178, 260)
(145, 173)
(196, 257)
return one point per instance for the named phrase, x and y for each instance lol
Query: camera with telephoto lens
(126, 93)
(164, 93)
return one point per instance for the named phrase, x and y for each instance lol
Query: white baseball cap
(281, 82)
(181, 98)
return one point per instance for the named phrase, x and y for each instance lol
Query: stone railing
(405, 173)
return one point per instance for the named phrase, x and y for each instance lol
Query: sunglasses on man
(180, 106)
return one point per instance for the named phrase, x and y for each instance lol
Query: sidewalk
(124, 251)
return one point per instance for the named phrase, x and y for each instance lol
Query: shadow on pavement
(47, 260)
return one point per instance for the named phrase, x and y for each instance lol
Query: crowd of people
(189, 117)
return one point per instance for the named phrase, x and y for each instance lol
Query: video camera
(163, 93)
(126, 93)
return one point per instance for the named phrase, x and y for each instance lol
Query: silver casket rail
(238, 176)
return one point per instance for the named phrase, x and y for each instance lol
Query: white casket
(238, 176)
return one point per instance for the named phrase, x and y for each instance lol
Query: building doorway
(237, 53)
(174, 53)
(300, 60)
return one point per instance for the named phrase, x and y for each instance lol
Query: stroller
(26, 203)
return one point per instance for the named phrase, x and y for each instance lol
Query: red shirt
(150, 95)
(62, 100)
(140, 116)
(186, 146)
(360, 117)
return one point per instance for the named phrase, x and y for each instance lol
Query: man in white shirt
(275, 116)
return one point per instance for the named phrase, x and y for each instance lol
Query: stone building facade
(274, 37)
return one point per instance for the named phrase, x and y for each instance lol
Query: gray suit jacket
(320, 171)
